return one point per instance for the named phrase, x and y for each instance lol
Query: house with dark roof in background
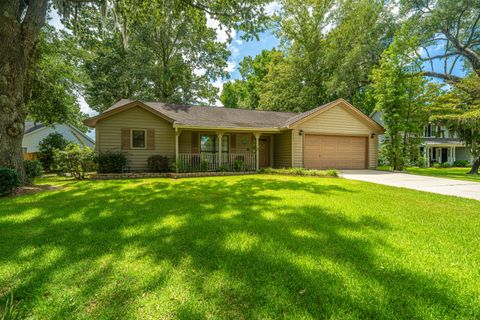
(36, 132)
(335, 135)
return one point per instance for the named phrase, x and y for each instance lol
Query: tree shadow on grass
(239, 248)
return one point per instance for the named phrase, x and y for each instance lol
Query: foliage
(461, 163)
(244, 93)
(9, 180)
(33, 169)
(170, 57)
(74, 159)
(204, 165)
(222, 168)
(449, 34)
(239, 165)
(301, 172)
(158, 163)
(46, 146)
(446, 165)
(110, 162)
(55, 80)
(328, 51)
(458, 108)
(402, 96)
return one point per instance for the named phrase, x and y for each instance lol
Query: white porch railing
(191, 162)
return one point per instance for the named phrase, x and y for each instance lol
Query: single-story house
(334, 135)
(36, 132)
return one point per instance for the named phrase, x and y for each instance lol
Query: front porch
(240, 151)
(444, 153)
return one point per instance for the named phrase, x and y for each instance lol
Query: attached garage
(331, 151)
(334, 136)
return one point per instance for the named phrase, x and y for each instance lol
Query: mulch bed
(21, 191)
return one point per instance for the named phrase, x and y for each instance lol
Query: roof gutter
(246, 129)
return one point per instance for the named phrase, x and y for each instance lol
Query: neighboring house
(36, 132)
(438, 144)
(335, 135)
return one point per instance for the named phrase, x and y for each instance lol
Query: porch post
(220, 138)
(257, 150)
(177, 134)
(427, 148)
(453, 153)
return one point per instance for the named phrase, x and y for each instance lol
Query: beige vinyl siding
(373, 152)
(282, 150)
(109, 135)
(297, 149)
(337, 121)
(185, 142)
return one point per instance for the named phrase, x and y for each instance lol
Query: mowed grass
(247, 247)
(451, 173)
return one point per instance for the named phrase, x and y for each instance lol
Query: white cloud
(238, 41)
(230, 66)
(199, 71)
(85, 108)
(234, 50)
(273, 8)
(222, 31)
(218, 84)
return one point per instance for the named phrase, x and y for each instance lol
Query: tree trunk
(475, 167)
(19, 29)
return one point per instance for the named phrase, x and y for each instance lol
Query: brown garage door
(339, 152)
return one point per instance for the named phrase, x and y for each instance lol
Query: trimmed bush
(461, 163)
(74, 159)
(33, 169)
(111, 162)
(437, 165)
(446, 165)
(158, 163)
(204, 166)
(239, 165)
(46, 148)
(9, 180)
(301, 172)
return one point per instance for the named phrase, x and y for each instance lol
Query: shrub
(301, 172)
(46, 146)
(446, 165)
(111, 162)
(239, 165)
(158, 163)
(74, 159)
(180, 166)
(461, 163)
(204, 166)
(223, 168)
(33, 169)
(9, 180)
(437, 165)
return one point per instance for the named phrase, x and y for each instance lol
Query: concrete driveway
(459, 188)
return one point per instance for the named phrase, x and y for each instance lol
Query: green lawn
(239, 248)
(450, 173)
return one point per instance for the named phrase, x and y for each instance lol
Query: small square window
(139, 139)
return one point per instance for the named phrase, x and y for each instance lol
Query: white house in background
(438, 144)
(36, 132)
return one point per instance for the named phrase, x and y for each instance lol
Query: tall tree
(243, 93)
(20, 27)
(330, 48)
(450, 34)
(55, 80)
(401, 94)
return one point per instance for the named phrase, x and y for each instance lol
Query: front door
(264, 152)
(444, 155)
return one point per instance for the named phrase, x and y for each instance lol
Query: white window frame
(145, 139)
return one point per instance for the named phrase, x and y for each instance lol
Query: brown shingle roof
(220, 117)
(207, 116)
